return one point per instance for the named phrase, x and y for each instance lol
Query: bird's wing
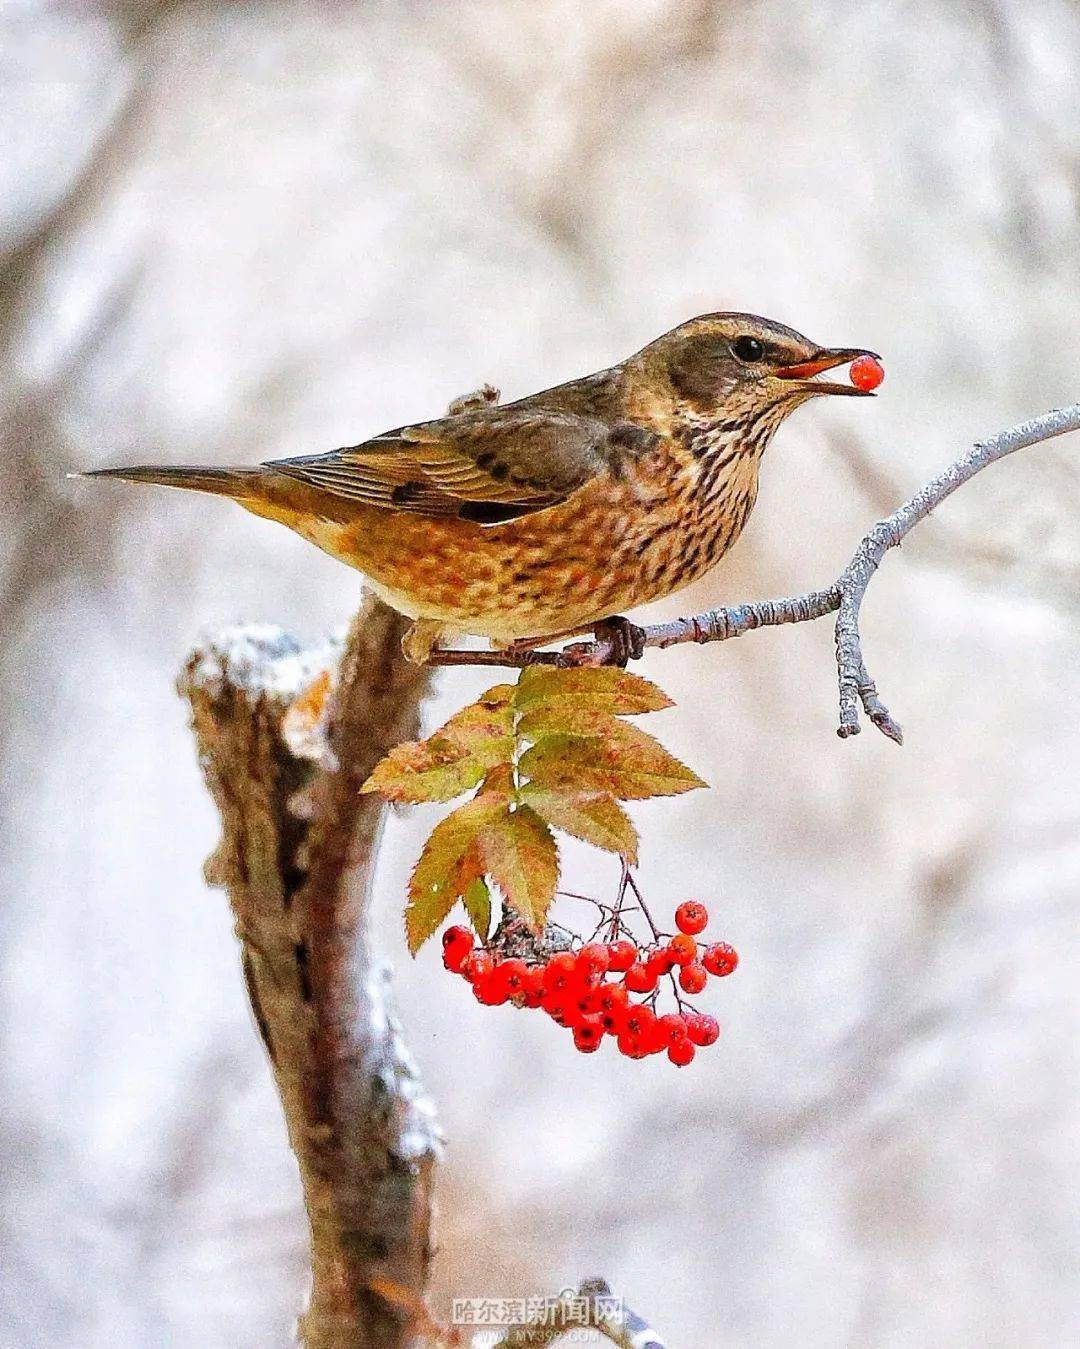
(489, 465)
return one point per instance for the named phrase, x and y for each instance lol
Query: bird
(543, 518)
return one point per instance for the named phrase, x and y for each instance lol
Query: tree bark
(286, 736)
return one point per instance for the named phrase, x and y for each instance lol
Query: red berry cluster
(590, 990)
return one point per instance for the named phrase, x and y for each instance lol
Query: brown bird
(545, 517)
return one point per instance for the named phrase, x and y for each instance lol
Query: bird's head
(732, 363)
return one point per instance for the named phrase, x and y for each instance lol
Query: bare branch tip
(885, 724)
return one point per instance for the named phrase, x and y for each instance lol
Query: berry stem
(628, 879)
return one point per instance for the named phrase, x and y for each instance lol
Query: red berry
(514, 974)
(683, 948)
(661, 961)
(458, 936)
(867, 372)
(491, 989)
(559, 971)
(720, 959)
(554, 1003)
(477, 965)
(534, 986)
(631, 1045)
(612, 1002)
(692, 978)
(691, 917)
(681, 1053)
(588, 1033)
(621, 955)
(673, 1026)
(582, 1002)
(702, 1029)
(640, 1022)
(640, 978)
(454, 958)
(656, 1041)
(612, 998)
(594, 958)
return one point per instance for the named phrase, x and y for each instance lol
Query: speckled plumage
(546, 515)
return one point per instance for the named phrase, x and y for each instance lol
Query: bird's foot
(421, 639)
(619, 642)
(533, 643)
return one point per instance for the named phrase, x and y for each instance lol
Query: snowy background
(235, 231)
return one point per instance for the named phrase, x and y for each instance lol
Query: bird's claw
(616, 641)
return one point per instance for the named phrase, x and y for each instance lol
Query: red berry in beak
(866, 373)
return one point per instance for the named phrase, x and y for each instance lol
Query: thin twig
(844, 597)
(855, 682)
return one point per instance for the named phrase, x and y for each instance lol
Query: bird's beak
(827, 358)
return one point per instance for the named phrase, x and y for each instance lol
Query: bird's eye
(748, 349)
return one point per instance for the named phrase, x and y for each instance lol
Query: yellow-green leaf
(485, 729)
(470, 867)
(629, 764)
(499, 779)
(520, 856)
(422, 771)
(477, 899)
(452, 759)
(604, 689)
(572, 717)
(443, 870)
(595, 817)
(499, 695)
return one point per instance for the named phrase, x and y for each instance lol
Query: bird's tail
(229, 482)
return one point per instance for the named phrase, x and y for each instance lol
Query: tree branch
(844, 597)
(286, 737)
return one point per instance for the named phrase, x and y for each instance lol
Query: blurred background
(230, 232)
